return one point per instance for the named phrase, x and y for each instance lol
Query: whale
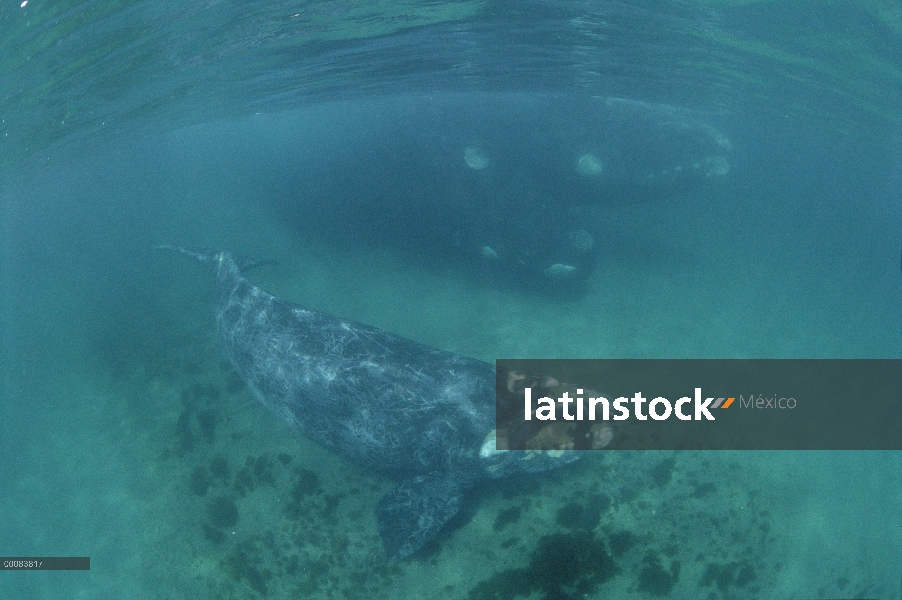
(423, 416)
(521, 189)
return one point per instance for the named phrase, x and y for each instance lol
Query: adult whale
(520, 187)
(419, 414)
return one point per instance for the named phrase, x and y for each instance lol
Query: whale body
(421, 415)
(519, 187)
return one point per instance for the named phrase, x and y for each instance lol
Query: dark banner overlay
(45, 563)
(699, 404)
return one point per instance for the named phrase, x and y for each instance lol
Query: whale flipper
(413, 513)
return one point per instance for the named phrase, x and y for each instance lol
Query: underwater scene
(258, 259)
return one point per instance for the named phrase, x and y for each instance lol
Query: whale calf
(421, 415)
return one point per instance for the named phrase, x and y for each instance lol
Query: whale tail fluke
(207, 256)
(203, 255)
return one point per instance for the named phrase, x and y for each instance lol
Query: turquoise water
(127, 438)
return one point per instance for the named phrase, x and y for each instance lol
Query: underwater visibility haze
(462, 181)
